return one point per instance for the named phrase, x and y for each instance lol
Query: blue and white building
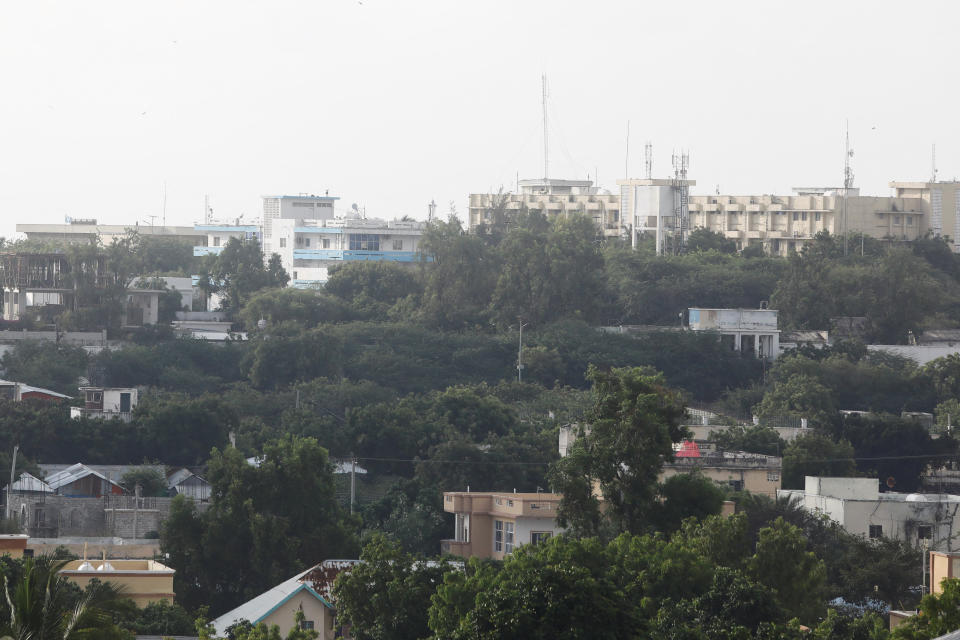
(310, 238)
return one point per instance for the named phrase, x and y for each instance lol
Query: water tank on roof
(916, 497)
(85, 566)
(106, 566)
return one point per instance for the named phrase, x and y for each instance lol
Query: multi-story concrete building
(940, 202)
(737, 470)
(143, 581)
(859, 507)
(301, 207)
(493, 524)
(785, 223)
(550, 197)
(308, 247)
(216, 237)
(89, 231)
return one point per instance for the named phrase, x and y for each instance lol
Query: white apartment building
(308, 248)
(752, 332)
(216, 237)
(551, 197)
(301, 207)
(857, 505)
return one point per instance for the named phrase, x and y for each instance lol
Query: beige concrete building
(493, 524)
(783, 224)
(143, 581)
(737, 470)
(940, 204)
(88, 231)
(550, 197)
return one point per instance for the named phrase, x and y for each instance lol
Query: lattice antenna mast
(648, 160)
(847, 169)
(681, 198)
(546, 151)
(933, 161)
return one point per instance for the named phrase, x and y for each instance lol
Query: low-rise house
(142, 307)
(106, 402)
(493, 524)
(752, 332)
(80, 481)
(143, 581)
(739, 470)
(279, 607)
(13, 544)
(186, 483)
(859, 507)
(18, 391)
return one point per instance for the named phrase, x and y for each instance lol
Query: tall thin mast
(546, 154)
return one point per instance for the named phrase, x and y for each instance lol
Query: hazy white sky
(390, 104)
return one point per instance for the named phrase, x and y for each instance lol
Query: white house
(106, 402)
(750, 331)
(859, 507)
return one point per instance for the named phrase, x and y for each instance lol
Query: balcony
(199, 252)
(98, 414)
(455, 548)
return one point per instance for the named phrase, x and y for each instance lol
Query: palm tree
(43, 605)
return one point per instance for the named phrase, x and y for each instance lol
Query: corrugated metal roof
(180, 476)
(73, 473)
(112, 472)
(28, 482)
(258, 608)
(25, 388)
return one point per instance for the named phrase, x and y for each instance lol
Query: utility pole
(353, 481)
(13, 470)
(520, 351)
(847, 185)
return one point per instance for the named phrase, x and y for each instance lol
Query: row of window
(924, 531)
(503, 536)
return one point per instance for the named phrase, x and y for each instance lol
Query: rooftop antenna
(207, 211)
(847, 182)
(431, 210)
(626, 162)
(933, 154)
(648, 159)
(546, 156)
(164, 203)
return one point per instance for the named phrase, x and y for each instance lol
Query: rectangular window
(124, 403)
(736, 485)
(816, 216)
(300, 240)
(306, 624)
(283, 242)
(896, 219)
(498, 535)
(508, 545)
(216, 241)
(539, 537)
(796, 216)
(876, 531)
(910, 221)
(772, 476)
(294, 275)
(803, 216)
(398, 245)
(326, 243)
(306, 242)
(924, 532)
(364, 242)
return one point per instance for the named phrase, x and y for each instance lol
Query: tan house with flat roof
(493, 524)
(143, 581)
